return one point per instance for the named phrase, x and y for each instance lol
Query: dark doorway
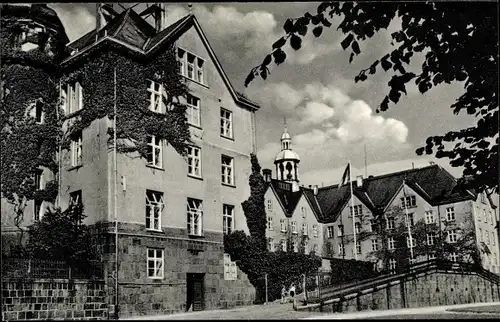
(195, 291)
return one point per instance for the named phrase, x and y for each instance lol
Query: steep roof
(288, 198)
(432, 183)
(129, 31)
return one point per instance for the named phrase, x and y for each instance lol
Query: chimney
(160, 17)
(359, 181)
(267, 173)
(310, 186)
(315, 190)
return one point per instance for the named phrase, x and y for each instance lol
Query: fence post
(305, 288)
(265, 277)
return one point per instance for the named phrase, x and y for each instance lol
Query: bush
(350, 270)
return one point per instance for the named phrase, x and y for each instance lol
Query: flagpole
(353, 215)
(408, 221)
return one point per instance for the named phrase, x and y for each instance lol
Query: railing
(39, 268)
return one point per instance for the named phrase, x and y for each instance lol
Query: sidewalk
(423, 310)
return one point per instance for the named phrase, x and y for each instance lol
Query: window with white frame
(390, 223)
(481, 237)
(358, 210)
(294, 227)
(410, 243)
(450, 213)
(452, 236)
(304, 212)
(154, 151)
(485, 216)
(429, 217)
(37, 210)
(39, 112)
(306, 246)
(270, 223)
(340, 230)
(226, 123)
(193, 110)
(431, 256)
(375, 244)
(410, 219)
(76, 149)
(392, 264)
(155, 263)
(191, 66)
(305, 229)
(72, 97)
(454, 257)
(269, 205)
(283, 244)
(358, 247)
(491, 217)
(357, 227)
(493, 238)
(227, 219)
(411, 201)
(154, 209)
(75, 198)
(227, 170)
(270, 244)
(329, 231)
(39, 184)
(194, 161)
(483, 198)
(341, 249)
(315, 231)
(431, 238)
(295, 246)
(194, 217)
(487, 237)
(373, 225)
(391, 243)
(156, 94)
(283, 225)
(230, 270)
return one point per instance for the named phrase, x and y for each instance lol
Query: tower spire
(284, 121)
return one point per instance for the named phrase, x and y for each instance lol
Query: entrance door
(195, 291)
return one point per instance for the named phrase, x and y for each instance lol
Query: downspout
(440, 231)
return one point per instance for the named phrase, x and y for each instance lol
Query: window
(154, 208)
(358, 247)
(429, 217)
(432, 256)
(269, 223)
(358, 210)
(191, 66)
(283, 225)
(341, 249)
(269, 205)
(392, 264)
(154, 151)
(194, 161)
(329, 231)
(75, 198)
(411, 201)
(493, 238)
(193, 110)
(483, 198)
(295, 246)
(410, 243)
(227, 170)
(454, 257)
(315, 248)
(487, 237)
(194, 217)
(411, 221)
(73, 97)
(283, 245)
(373, 225)
(391, 243)
(390, 223)
(39, 180)
(375, 244)
(431, 238)
(491, 218)
(155, 263)
(357, 227)
(340, 230)
(481, 235)
(76, 150)
(304, 229)
(485, 216)
(450, 213)
(270, 244)
(452, 236)
(304, 212)
(227, 219)
(37, 210)
(315, 231)
(39, 112)
(294, 227)
(230, 270)
(156, 94)
(226, 123)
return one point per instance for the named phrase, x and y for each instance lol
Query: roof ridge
(385, 175)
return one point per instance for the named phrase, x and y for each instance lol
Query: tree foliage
(251, 254)
(460, 43)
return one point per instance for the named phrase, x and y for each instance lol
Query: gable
(421, 200)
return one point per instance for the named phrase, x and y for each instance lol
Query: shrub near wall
(350, 270)
(61, 299)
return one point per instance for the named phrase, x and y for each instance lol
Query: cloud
(76, 19)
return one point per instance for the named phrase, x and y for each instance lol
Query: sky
(330, 117)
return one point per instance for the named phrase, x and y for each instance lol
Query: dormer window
(191, 65)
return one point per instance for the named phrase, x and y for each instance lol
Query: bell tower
(287, 160)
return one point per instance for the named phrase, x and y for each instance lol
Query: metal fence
(39, 268)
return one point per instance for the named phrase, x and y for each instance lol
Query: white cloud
(76, 19)
(281, 96)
